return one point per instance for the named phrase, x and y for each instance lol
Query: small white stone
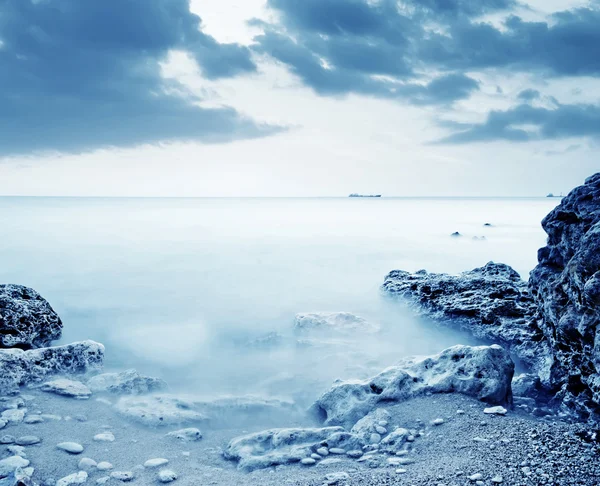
(354, 454)
(336, 477)
(497, 479)
(104, 437)
(401, 471)
(460, 412)
(476, 477)
(382, 423)
(323, 451)
(308, 461)
(71, 447)
(87, 464)
(186, 435)
(381, 430)
(337, 450)
(159, 461)
(103, 480)
(374, 438)
(438, 421)
(49, 416)
(495, 410)
(167, 476)
(104, 466)
(185, 454)
(28, 440)
(17, 450)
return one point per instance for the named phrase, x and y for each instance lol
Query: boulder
(566, 287)
(67, 388)
(26, 319)
(128, 382)
(276, 446)
(337, 322)
(18, 367)
(483, 372)
(492, 302)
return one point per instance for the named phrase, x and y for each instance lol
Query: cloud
(524, 123)
(529, 95)
(338, 47)
(81, 75)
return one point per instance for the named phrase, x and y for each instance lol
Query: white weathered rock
(33, 419)
(124, 476)
(495, 410)
(103, 480)
(158, 462)
(323, 451)
(104, 466)
(75, 478)
(10, 464)
(476, 477)
(14, 416)
(366, 427)
(159, 410)
(438, 421)
(497, 479)
(186, 435)
(308, 461)
(70, 447)
(167, 476)
(104, 437)
(339, 322)
(68, 388)
(18, 367)
(276, 446)
(128, 382)
(484, 372)
(395, 440)
(17, 450)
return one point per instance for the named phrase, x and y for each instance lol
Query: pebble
(75, 478)
(7, 439)
(124, 476)
(71, 447)
(186, 435)
(495, 410)
(87, 464)
(381, 430)
(8, 465)
(329, 462)
(383, 423)
(476, 477)
(337, 450)
(33, 419)
(438, 421)
(50, 416)
(336, 477)
(167, 476)
(104, 437)
(401, 471)
(103, 480)
(104, 466)
(460, 412)
(156, 462)
(354, 454)
(3, 423)
(308, 461)
(28, 440)
(323, 451)
(497, 479)
(16, 450)
(375, 438)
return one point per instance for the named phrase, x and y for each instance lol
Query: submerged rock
(18, 367)
(159, 410)
(276, 446)
(483, 372)
(128, 382)
(68, 388)
(26, 319)
(339, 322)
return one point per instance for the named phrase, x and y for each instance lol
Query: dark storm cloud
(81, 75)
(389, 49)
(525, 123)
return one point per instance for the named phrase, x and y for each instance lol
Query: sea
(203, 292)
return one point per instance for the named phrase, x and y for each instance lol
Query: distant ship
(354, 194)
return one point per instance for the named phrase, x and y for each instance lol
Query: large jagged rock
(26, 319)
(483, 372)
(566, 288)
(18, 367)
(492, 302)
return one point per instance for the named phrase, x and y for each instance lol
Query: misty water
(183, 288)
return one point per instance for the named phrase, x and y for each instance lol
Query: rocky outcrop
(492, 302)
(566, 288)
(483, 372)
(552, 322)
(128, 382)
(18, 367)
(26, 319)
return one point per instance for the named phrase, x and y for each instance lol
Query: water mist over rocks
(457, 417)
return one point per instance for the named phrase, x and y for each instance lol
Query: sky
(234, 98)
